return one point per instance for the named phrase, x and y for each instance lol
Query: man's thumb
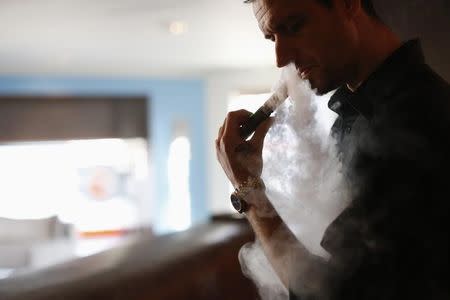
(260, 133)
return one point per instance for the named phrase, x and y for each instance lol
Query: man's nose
(283, 52)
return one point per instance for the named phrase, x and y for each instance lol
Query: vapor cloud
(303, 177)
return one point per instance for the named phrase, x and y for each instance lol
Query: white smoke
(303, 178)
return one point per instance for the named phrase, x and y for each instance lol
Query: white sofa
(30, 244)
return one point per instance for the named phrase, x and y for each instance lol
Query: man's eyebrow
(274, 26)
(288, 19)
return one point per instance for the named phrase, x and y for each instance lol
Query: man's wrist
(241, 197)
(252, 184)
(250, 197)
(260, 206)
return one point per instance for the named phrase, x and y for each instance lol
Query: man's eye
(270, 37)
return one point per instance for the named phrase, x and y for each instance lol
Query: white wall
(220, 86)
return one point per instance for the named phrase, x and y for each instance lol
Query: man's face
(320, 41)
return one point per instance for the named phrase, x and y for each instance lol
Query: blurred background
(109, 109)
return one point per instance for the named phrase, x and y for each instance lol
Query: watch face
(237, 203)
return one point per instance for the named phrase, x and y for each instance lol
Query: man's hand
(240, 159)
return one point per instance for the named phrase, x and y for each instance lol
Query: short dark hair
(366, 4)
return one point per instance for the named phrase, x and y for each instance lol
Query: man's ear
(352, 8)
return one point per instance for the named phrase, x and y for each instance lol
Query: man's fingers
(221, 129)
(228, 134)
(234, 120)
(219, 137)
(260, 133)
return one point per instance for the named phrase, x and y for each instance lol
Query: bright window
(93, 184)
(250, 102)
(179, 205)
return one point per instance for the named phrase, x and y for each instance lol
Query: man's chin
(317, 88)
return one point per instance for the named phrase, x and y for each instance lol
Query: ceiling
(128, 37)
(131, 37)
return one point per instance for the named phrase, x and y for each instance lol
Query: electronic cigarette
(264, 112)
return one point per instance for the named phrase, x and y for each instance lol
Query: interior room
(109, 112)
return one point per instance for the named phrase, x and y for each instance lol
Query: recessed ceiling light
(177, 27)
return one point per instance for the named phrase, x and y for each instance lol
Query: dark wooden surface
(201, 263)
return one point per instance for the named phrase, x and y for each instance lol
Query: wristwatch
(238, 202)
(238, 197)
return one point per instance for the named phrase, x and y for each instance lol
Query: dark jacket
(393, 136)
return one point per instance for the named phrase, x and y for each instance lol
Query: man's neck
(377, 43)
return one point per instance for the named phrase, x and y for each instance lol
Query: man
(392, 128)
